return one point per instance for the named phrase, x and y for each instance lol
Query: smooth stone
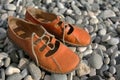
(112, 62)
(118, 28)
(47, 77)
(8, 1)
(97, 77)
(73, 48)
(112, 49)
(94, 45)
(7, 62)
(2, 74)
(102, 32)
(60, 5)
(93, 36)
(23, 63)
(58, 77)
(70, 20)
(118, 71)
(83, 69)
(34, 71)
(3, 55)
(112, 78)
(78, 22)
(106, 37)
(90, 29)
(92, 72)
(112, 69)
(19, 9)
(113, 41)
(94, 21)
(12, 70)
(14, 77)
(107, 74)
(1, 63)
(83, 78)
(107, 60)
(104, 67)
(69, 11)
(11, 7)
(24, 72)
(97, 39)
(95, 61)
(48, 1)
(95, 7)
(4, 16)
(108, 13)
(14, 57)
(28, 77)
(43, 74)
(87, 52)
(11, 13)
(76, 9)
(115, 54)
(81, 49)
(76, 78)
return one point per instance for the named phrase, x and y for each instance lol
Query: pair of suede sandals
(35, 36)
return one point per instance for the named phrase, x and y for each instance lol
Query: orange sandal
(64, 31)
(49, 53)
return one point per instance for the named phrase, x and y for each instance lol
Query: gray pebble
(92, 72)
(23, 63)
(8, 1)
(34, 71)
(108, 13)
(115, 54)
(81, 49)
(2, 74)
(93, 36)
(112, 62)
(102, 32)
(97, 77)
(112, 78)
(112, 69)
(97, 39)
(107, 74)
(76, 78)
(106, 37)
(95, 61)
(14, 77)
(113, 41)
(95, 7)
(94, 45)
(11, 7)
(94, 20)
(69, 11)
(70, 20)
(104, 67)
(11, 13)
(7, 62)
(107, 60)
(48, 1)
(4, 16)
(76, 9)
(90, 29)
(24, 72)
(58, 77)
(87, 52)
(47, 77)
(60, 5)
(28, 77)
(3, 55)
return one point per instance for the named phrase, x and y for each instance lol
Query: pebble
(60, 5)
(94, 21)
(95, 61)
(23, 63)
(12, 70)
(3, 55)
(87, 52)
(14, 77)
(34, 71)
(2, 33)
(70, 20)
(58, 77)
(107, 60)
(112, 78)
(76, 9)
(112, 62)
(83, 69)
(11, 7)
(69, 11)
(115, 54)
(48, 1)
(81, 49)
(28, 77)
(4, 16)
(112, 69)
(107, 74)
(90, 29)
(47, 77)
(106, 37)
(102, 32)
(2, 74)
(7, 62)
(105, 67)
(24, 72)
(92, 72)
(70, 76)
(94, 45)
(113, 41)
(97, 77)
(75, 78)
(108, 13)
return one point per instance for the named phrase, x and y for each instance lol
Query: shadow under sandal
(48, 53)
(64, 31)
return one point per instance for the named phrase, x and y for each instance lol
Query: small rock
(104, 67)
(102, 32)
(58, 77)
(7, 62)
(11, 7)
(76, 9)
(47, 77)
(107, 60)
(90, 29)
(60, 5)
(83, 69)
(23, 63)
(112, 69)
(4, 16)
(2, 74)
(48, 1)
(11, 13)
(97, 77)
(94, 20)
(69, 11)
(81, 49)
(92, 72)
(112, 62)
(106, 37)
(12, 70)
(87, 52)
(3, 55)
(24, 72)
(76, 78)
(113, 41)
(108, 13)
(70, 20)
(107, 74)
(34, 71)
(28, 77)
(94, 45)
(95, 61)
(112, 78)
(2, 33)
(115, 54)
(14, 77)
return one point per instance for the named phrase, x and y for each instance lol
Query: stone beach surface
(99, 61)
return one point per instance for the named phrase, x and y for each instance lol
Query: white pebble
(106, 38)
(102, 32)
(28, 78)
(113, 41)
(81, 49)
(87, 52)
(94, 20)
(112, 69)
(10, 7)
(11, 70)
